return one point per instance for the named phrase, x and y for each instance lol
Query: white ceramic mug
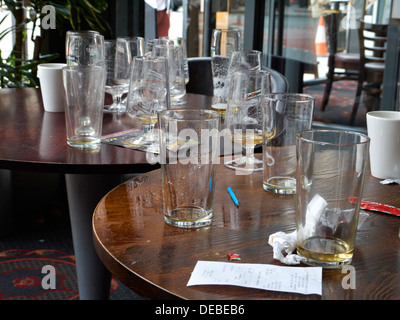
(384, 131)
(51, 85)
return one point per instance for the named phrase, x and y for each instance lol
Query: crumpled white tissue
(282, 242)
(285, 243)
(390, 181)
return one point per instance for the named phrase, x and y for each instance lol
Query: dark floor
(41, 224)
(44, 224)
(340, 105)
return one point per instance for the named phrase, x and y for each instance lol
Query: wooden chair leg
(327, 93)
(356, 102)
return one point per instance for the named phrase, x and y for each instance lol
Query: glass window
(222, 14)
(292, 34)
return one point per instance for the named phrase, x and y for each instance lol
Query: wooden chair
(372, 40)
(347, 63)
(200, 77)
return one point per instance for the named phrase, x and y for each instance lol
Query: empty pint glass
(292, 113)
(189, 147)
(84, 91)
(223, 44)
(84, 48)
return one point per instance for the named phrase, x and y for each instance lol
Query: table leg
(5, 202)
(84, 193)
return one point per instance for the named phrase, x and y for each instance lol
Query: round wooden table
(34, 140)
(156, 260)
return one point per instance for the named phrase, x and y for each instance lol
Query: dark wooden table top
(35, 140)
(156, 260)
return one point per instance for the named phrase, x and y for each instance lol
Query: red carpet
(40, 236)
(22, 274)
(340, 103)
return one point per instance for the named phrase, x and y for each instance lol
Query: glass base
(188, 218)
(179, 102)
(326, 264)
(280, 185)
(145, 138)
(244, 164)
(85, 144)
(145, 141)
(117, 108)
(325, 252)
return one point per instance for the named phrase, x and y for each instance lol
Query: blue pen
(235, 200)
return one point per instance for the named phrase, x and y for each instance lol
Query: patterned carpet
(28, 276)
(41, 234)
(25, 275)
(340, 103)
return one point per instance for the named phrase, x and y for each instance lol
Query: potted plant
(18, 71)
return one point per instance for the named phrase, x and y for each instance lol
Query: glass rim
(78, 32)
(226, 30)
(289, 97)
(130, 38)
(171, 38)
(299, 136)
(96, 36)
(149, 58)
(74, 68)
(247, 51)
(166, 45)
(253, 72)
(376, 114)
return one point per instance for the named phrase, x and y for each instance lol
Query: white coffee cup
(51, 85)
(384, 132)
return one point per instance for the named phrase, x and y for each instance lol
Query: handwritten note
(260, 276)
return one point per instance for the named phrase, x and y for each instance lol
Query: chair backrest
(200, 77)
(341, 38)
(373, 40)
(279, 83)
(335, 39)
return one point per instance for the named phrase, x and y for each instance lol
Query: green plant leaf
(18, 72)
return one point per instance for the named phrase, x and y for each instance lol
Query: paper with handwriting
(301, 280)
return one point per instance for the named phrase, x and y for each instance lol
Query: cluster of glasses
(143, 78)
(239, 87)
(157, 82)
(119, 55)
